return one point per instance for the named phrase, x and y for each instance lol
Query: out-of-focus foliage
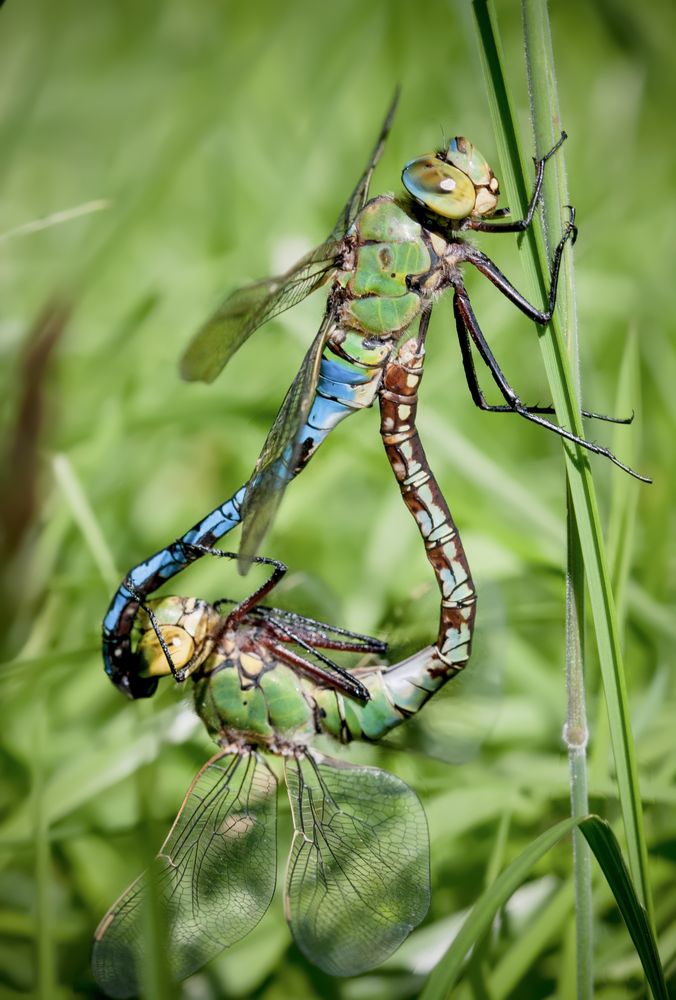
(224, 138)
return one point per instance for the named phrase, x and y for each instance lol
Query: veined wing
(211, 882)
(246, 309)
(458, 720)
(360, 195)
(277, 461)
(249, 307)
(358, 875)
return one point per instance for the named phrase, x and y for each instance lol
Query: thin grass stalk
(85, 518)
(155, 976)
(44, 941)
(582, 490)
(576, 738)
(546, 121)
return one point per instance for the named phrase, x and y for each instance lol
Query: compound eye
(466, 157)
(440, 187)
(180, 644)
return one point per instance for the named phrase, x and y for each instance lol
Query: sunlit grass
(216, 134)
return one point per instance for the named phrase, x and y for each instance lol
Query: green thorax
(388, 246)
(247, 695)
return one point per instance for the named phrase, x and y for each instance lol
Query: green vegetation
(223, 138)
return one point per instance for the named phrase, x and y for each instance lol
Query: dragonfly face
(453, 183)
(187, 627)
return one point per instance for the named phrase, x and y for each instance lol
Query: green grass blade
(603, 843)
(576, 738)
(46, 982)
(85, 519)
(546, 121)
(606, 849)
(624, 501)
(582, 490)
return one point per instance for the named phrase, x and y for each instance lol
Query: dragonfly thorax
(244, 693)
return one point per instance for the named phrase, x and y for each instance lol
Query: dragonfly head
(182, 627)
(454, 183)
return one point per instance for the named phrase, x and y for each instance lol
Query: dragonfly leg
(336, 677)
(422, 329)
(468, 327)
(518, 225)
(240, 610)
(313, 632)
(491, 271)
(138, 598)
(318, 634)
(480, 400)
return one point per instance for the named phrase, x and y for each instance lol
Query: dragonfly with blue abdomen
(386, 261)
(357, 879)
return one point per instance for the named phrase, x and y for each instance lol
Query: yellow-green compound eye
(466, 157)
(180, 644)
(439, 186)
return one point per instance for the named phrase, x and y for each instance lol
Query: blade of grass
(44, 945)
(55, 219)
(582, 490)
(576, 739)
(606, 849)
(622, 517)
(154, 975)
(546, 122)
(85, 519)
(536, 937)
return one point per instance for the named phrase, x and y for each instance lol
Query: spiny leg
(138, 598)
(243, 607)
(468, 326)
(340, 679)
(336, 677)
(518, 225)
(319, 635)
(192, 551)
(480, 400)
(491, 271)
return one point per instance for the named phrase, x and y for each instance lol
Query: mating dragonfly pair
(358, 875)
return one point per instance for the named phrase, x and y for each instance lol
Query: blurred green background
(225, 138)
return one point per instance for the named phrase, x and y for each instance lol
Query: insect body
(357, 880)
(386, 262)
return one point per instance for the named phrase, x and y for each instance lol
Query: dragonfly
(357, 879)
(386, 262)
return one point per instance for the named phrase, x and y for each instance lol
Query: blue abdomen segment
(149, 575)
(342, 388)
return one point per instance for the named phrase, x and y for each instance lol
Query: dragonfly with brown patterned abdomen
(387, 260)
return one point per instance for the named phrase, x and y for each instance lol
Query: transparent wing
(276, 465)
(211, 882)
(360, 195)
(457, 721)
(248, 308)
(358, 878)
